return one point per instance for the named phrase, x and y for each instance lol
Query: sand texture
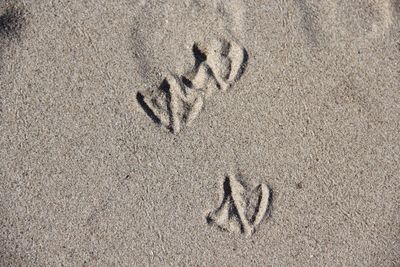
(200, 133)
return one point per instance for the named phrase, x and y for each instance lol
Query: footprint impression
(241, 210)
(177, 102)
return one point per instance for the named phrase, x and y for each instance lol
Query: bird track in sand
(241, 210)
(179, 99)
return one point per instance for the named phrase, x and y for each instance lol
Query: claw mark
(179, 100)
(237, 213)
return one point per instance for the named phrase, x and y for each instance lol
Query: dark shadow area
(227, 188)
(227, 194)
(188, 83)
(210, 220)
(268, 213)
(257, 207)
(12, 21)
(165, 88)
(198, 55)
(243, 66)
(146, 108)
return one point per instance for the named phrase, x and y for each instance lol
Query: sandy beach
(200, 133)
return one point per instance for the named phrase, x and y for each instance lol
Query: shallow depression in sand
(174, 29)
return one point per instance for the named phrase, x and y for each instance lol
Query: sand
(200, 133)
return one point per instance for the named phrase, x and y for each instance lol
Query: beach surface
(200, 133)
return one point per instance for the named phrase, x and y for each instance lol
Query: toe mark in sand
(172, 105)
(241, 209)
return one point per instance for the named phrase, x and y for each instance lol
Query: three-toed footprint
(219, 63)
(242, 209)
